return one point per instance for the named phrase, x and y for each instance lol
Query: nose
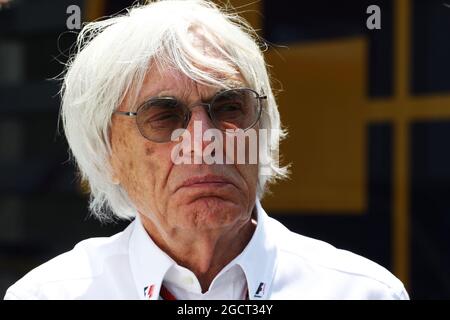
(200, 112)
(199, 122)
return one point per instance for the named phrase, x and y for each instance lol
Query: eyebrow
(162, 97)
(231, 84)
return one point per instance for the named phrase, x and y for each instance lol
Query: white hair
(111, 60)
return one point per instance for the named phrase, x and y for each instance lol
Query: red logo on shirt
(148, 291)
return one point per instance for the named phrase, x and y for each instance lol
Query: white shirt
(276, 264)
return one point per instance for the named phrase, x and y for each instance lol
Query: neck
(206, 252)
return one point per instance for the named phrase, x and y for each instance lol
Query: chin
(211, 212)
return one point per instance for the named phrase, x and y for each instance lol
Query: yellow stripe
(94, 9)
(417, 108)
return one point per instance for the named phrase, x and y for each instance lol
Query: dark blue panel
(431, 48)
(369, 233)
(430, 210)
(23, 17)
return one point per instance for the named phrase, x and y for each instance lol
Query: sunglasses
(158, 117)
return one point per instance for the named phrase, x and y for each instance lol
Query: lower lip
(208, 185)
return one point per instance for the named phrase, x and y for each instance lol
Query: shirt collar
(149, 263)
(258, 260)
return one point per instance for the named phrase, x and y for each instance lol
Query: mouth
(208, 181)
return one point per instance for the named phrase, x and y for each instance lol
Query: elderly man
(144, 99)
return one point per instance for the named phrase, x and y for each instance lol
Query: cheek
(149, 151)
(142, 166)
(147, 168)
(250, 169)
(137, 174)
(132, 162)
(250, 174)
(130, 165)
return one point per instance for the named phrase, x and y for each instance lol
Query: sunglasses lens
(159, 118)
